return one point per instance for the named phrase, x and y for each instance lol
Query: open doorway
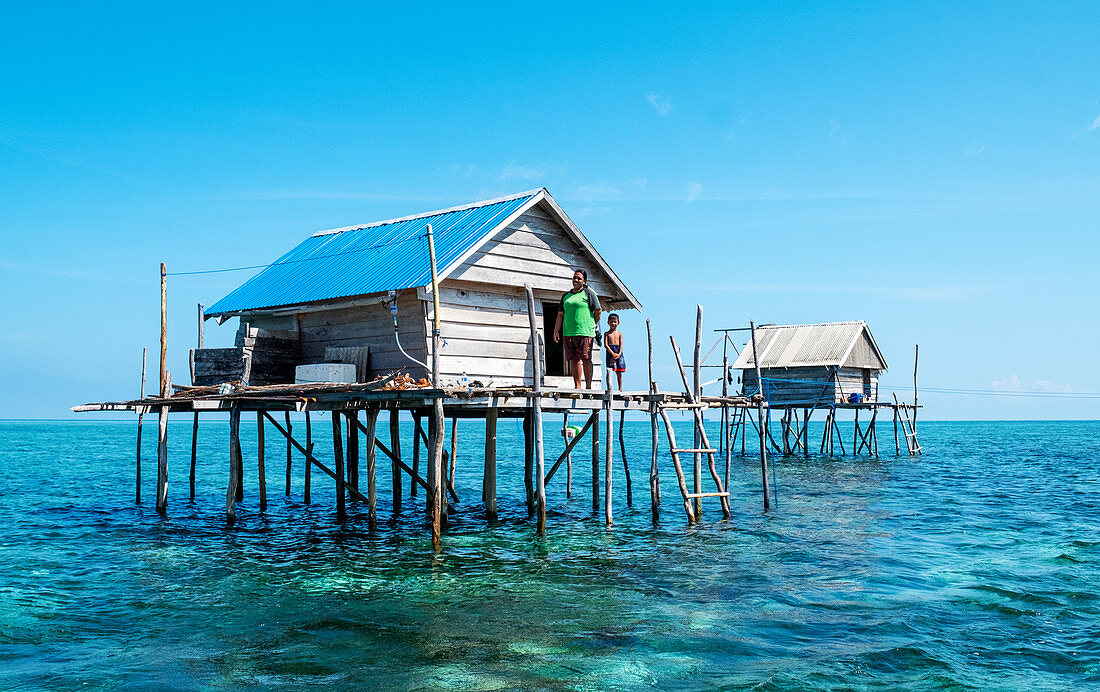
(555, 354)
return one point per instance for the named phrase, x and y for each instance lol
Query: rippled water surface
(975, 566)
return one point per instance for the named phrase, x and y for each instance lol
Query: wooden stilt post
(309, 464)
(855, 434)
(395, 447)
(760, 416)
(418, 431)
(194, 454)
(436, 452)
(626, 466)
(489, 482)
(454, 453)
(261, 475)
(806, 431)
(338, 458)
(141, 414)
(654, 476)
(234, 469)
(536, 411)
(239, 461)
(596, 463)
(568, 458)
(289, 456)
(372, 498)
(874, 432)
(353, 448)
(697, 391)
(785, 425)
(897, 444)
(528, 462)
(162, 460)
(608, 454)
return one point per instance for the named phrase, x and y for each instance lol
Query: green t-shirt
(578, 308)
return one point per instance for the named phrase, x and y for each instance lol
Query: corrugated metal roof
(800, 345)
(358, 260)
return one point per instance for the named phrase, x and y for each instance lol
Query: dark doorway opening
(555, 354)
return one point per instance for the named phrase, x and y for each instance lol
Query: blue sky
(933, 169)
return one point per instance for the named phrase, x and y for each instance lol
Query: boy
(613, 344)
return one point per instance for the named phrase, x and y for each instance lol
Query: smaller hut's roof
(847, 344)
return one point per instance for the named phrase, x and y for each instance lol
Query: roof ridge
(810, 324)
(438, 212)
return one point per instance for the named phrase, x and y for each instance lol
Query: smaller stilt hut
(813, 365)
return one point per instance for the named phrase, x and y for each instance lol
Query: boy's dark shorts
(578, 348)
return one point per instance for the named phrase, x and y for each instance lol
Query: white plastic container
(324, 372)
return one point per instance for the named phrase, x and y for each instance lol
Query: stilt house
(362, 294)
(811, 365)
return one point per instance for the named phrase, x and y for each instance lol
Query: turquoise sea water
(975, 566)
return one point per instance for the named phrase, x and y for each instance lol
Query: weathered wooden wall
(537, 251)
(810, 386)
(488, 335)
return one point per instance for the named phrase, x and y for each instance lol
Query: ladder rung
(694, 495)
(684, 405)
(693, 451)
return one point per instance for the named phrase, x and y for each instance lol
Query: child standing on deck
(613, 344)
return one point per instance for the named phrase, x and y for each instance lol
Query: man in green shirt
(577, 320)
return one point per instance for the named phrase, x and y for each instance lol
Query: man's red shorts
(578, 348)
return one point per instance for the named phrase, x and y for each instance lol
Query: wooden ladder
(907, 428)
(675, 452)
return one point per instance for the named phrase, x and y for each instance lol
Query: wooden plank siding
(536, 251)
(810, 386)
(487, 335)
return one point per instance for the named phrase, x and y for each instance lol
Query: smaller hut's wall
(809, 386)
(851, 381)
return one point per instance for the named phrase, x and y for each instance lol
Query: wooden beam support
(261, 475)
(489, 480)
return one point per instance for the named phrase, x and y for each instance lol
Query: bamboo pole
(162, 460)
(194, 454)
(897, 445)
(141, 414)
(395, 447)
(238, 459)
(760, 417)
(338, 458)
(489, 479)
(654, 476)
(806, 431)
(234, 470)
(261, 475)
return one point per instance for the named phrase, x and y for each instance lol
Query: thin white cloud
(694, 189)
(974, 150)
(660, 104)
(1013, 383)
(834, 127)
(1095, 125)
(602, 190)
(535, 174)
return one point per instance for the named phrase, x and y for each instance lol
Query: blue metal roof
(359, 260)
